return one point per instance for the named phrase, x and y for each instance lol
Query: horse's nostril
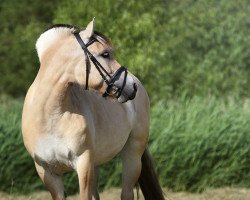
(135, 87)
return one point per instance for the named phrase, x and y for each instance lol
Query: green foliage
(197, 143)
(201, 143)
(196, 47)
(16, 167)
(21, 24)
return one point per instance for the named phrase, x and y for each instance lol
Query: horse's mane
(97, 35)
(59, 31)
(67, 26)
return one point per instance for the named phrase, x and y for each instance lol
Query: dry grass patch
(114, 193)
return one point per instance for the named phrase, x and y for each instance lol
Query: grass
(197, 143)
(202, 143)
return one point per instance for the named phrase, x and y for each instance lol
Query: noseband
(108, 79)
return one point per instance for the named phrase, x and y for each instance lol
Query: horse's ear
(90, 28)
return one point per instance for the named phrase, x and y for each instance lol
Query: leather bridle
(112, 89)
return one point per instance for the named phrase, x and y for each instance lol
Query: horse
(83, 109)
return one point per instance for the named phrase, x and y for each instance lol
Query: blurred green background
(193, 57)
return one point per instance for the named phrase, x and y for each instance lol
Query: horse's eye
(106, 55)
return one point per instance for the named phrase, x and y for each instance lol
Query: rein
(108, 79)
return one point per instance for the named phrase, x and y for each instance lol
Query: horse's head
(86, 58)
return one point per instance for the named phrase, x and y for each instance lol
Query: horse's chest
(54, 151)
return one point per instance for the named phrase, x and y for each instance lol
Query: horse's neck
(52, 91)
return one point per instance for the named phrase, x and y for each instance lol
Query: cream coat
(68, 128)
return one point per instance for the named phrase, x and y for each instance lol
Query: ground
(114, 193)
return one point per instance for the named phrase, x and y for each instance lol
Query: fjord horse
(68, 125)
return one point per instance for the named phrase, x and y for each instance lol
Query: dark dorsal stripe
(96, 34)
(69, 26)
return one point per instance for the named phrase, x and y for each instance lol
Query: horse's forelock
(102, 38)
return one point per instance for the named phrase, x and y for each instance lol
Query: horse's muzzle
(128, 95)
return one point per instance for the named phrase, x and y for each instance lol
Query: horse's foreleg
(131, 166)
(52, 182)
(85, 172)
(95, 185)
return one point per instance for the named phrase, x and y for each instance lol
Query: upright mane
(60, 31)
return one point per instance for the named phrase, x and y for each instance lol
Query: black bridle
(112, 89)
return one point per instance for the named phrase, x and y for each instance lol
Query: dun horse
(67, 123)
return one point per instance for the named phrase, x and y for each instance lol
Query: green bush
(196, 143)
(17, 172)
(196, 47)
(199, 143)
